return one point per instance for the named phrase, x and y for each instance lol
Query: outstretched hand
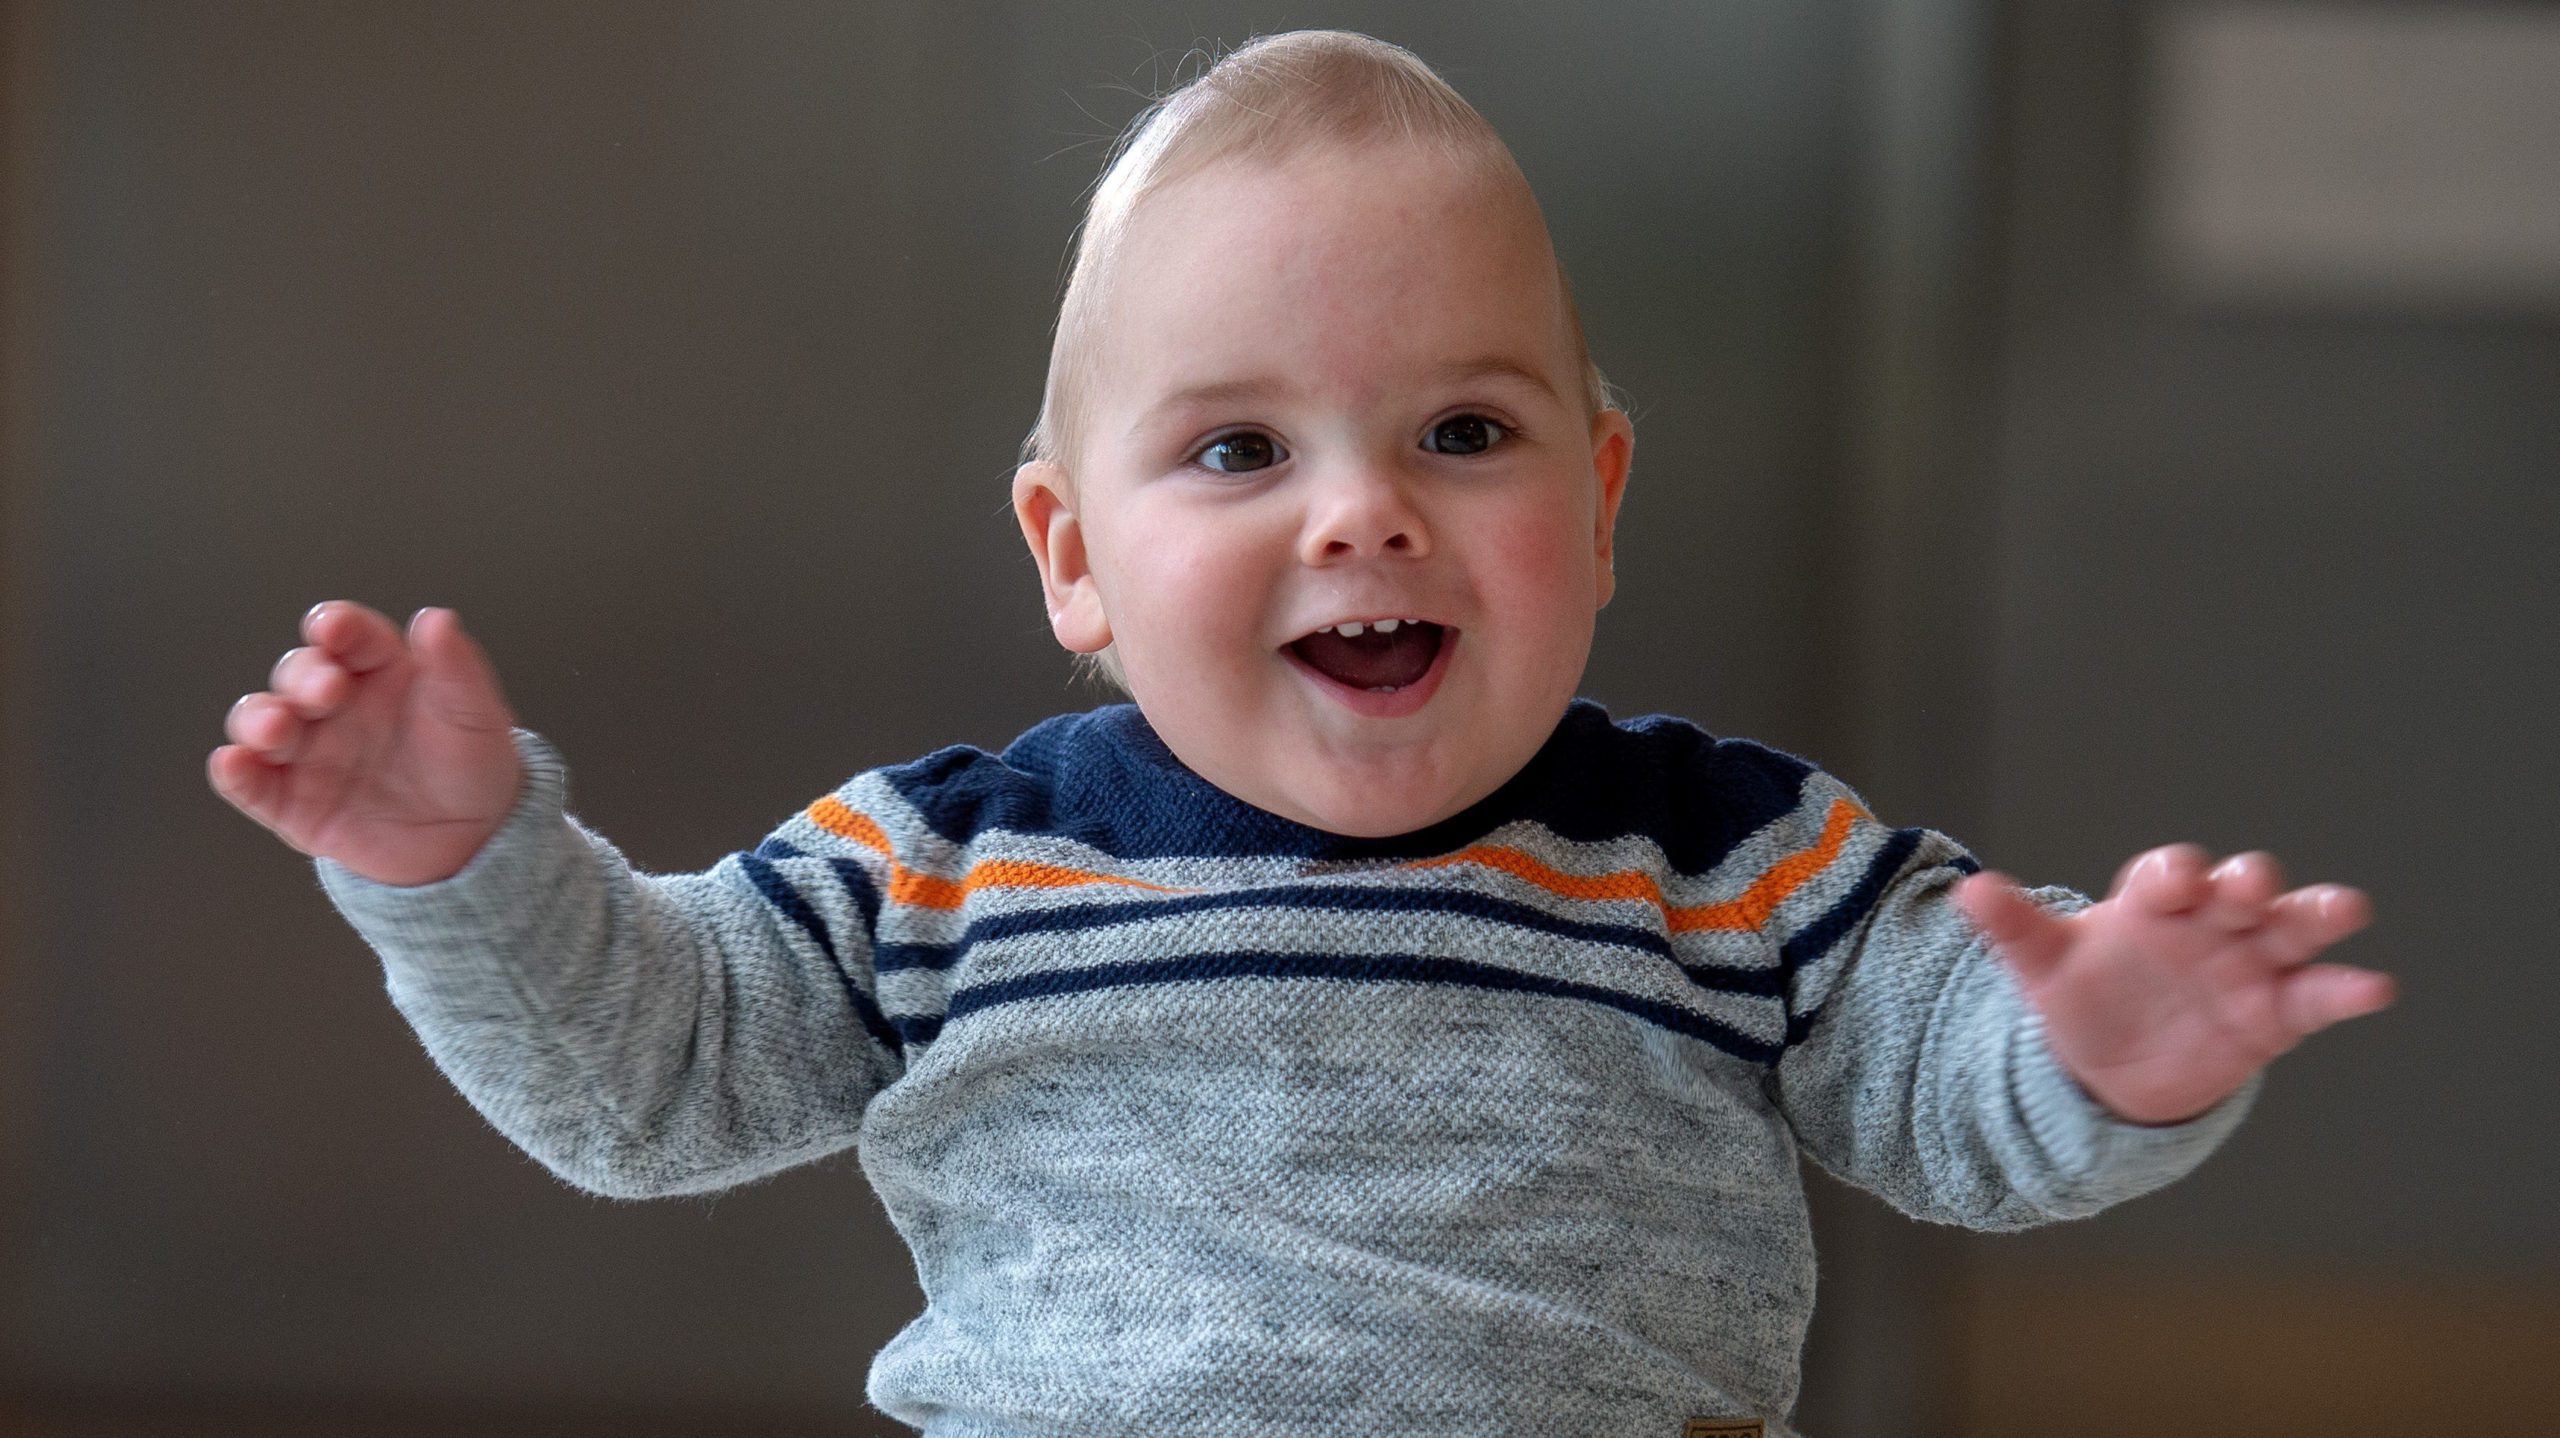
(2165, 997)
(388, 752)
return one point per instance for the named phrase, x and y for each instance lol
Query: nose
(1362, 511)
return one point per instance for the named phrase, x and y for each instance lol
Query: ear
(1613, 451)
(1043, 503)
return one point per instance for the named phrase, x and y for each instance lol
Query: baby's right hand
(391, 755)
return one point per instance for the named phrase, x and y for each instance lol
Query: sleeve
(1915, 1066)
(639, 1035)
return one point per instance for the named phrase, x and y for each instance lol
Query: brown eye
(1464, 434)
(1240, 453)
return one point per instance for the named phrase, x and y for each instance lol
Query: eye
(1243, 452)
(1466, 434)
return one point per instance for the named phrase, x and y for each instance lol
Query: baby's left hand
(2165, 997)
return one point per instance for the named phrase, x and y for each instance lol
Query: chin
(1364, 813)
(1369, 825)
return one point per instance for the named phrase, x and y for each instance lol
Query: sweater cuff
(444, 926)
(2112, 1156)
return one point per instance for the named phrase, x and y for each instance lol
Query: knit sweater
(1198, 1120)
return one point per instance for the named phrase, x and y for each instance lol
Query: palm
(393, 758)
(2167, 996)
(370, 788)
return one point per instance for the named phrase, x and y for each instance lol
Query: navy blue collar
(1104, 778)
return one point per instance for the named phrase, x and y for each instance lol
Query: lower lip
(1391, 704)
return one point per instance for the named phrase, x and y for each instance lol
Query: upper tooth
(1350, 631)
(1388, 626)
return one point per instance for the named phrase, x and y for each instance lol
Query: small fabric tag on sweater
(1722, 1428)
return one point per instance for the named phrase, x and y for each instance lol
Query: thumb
(2031, 940)
(455, 681)
(2317, 995)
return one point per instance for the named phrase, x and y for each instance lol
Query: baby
(1359, 1033)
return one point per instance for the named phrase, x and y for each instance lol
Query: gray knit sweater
(1201, 1121)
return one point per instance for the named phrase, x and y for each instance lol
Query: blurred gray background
(2081, 425)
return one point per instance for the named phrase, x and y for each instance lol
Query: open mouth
(1379, 657)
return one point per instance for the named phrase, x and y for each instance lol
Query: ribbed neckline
(1134, 741)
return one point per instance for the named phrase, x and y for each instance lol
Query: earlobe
(1043, 506)
(1613, 444)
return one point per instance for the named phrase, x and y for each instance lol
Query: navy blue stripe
(1815, 939)
(779, 892)
(849, 874)
(1364, 968)
(1354, 898)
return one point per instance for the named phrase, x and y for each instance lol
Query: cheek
(1540, 561)
(1178, 576)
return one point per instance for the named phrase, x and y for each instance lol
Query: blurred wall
(686, 348)
(2272, 569)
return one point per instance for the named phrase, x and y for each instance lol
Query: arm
(1917, 1067)
(638, 1034)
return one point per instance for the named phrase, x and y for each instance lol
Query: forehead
(1343, 272)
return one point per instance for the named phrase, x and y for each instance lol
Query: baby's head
(1324, 470)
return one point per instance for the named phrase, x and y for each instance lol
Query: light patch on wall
(2362, 157)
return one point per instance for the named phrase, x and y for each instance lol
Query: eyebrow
(1237, 391)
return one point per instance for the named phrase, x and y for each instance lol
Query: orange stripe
(1773, 886)
(1749, 911)
(1626, 884)
(924, 891)
(1023, 874)
(931, 891)
(831, 815)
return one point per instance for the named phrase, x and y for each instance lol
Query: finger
(458, 682)
(2314, 997)
(309, 681)
(357, 638)
(265, 725)
(2242, 888)
(2166, 880)
(2304, 922)
(241, 779)
(2030, 938)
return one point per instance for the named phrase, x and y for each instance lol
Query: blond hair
(1269, 99)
